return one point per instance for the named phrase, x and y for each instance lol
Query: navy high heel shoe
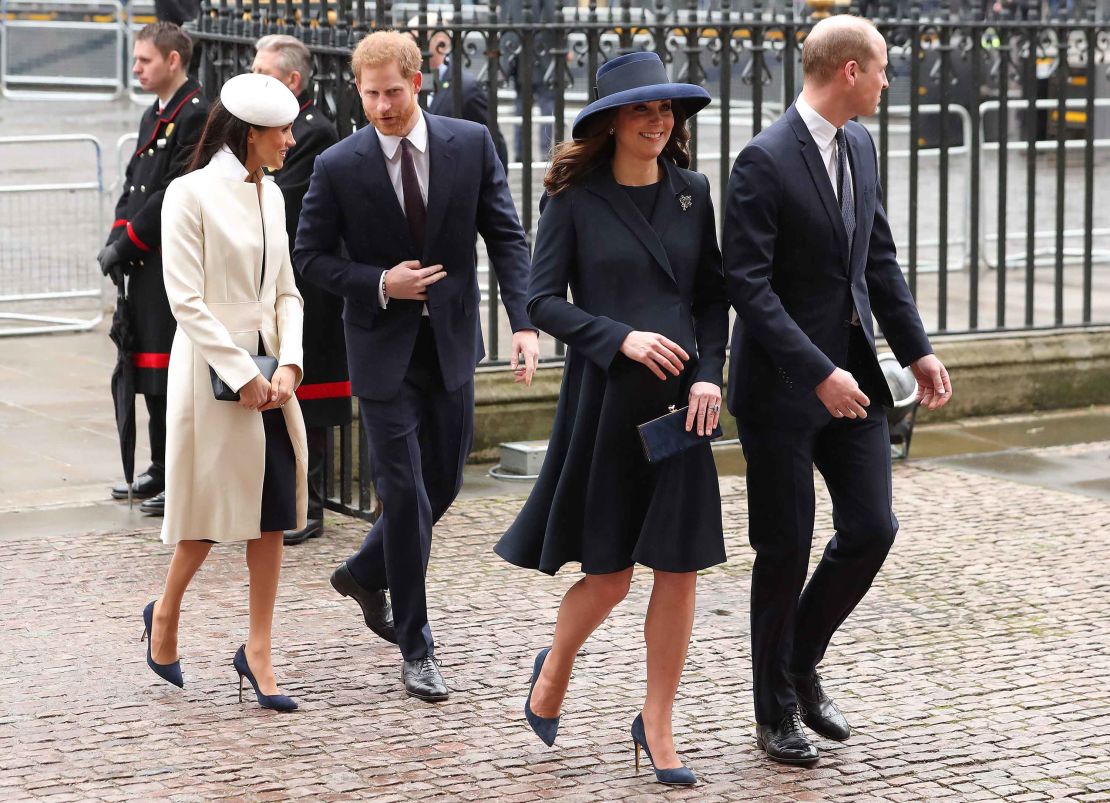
(171, 673)
(677, 776)
(546, 728)
(275, 702)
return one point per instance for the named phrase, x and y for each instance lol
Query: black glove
(110, 260)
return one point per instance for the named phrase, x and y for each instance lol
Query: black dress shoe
(375, 605)
(313, 529)
(819, 712)
(786, 742)
(155, 506)
(423, 680)
(144, 487)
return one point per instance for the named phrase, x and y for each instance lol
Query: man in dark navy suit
(407, 196)
(809, 258)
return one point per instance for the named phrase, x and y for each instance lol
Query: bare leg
(670, 618)
(264, 565)
(586, 605)
(187, 559)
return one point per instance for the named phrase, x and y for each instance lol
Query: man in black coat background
(325, 393)
(473, 97)
(809, 258)
(167, 133)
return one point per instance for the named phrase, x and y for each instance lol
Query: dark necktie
(415, 213)
(844, 180)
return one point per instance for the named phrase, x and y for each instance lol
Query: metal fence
(992, 140)
(50, 283)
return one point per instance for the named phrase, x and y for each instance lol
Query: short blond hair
(834, 42)
(382, 47)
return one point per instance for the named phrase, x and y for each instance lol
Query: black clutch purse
(666, 435)
(267, 365)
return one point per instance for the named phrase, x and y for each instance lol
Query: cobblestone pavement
(977, 668)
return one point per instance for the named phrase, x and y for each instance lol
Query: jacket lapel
(811, 154)
(670, 205)
(441, 174)
(602, 183)
(378, 189)
(855, 146)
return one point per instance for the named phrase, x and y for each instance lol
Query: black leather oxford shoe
(786, 742)
(313, 529)
(144, 487)
(155, 506)
(376, 610)
(423, 680)
(818, 711)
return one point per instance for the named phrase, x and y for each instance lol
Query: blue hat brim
(692, 97)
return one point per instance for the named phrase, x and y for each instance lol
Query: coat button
(307, 117)
(132, 188)
(142, 188)
(150, 152)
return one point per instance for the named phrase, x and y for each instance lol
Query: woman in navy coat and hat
(630, 231)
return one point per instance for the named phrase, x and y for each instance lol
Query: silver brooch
(685, 201)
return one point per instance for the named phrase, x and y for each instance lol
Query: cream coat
(212, 241)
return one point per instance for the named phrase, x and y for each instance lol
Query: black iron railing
(993, 140)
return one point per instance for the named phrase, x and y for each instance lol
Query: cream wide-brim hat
(260, 100)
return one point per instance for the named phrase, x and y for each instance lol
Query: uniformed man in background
(167, 133)
(325, 393)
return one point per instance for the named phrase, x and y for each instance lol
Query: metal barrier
(50, 282)
(61, 49)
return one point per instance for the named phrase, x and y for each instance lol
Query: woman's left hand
(281, 387)
(705, 407)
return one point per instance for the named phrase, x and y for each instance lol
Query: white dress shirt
(391, 150)
(824, 134)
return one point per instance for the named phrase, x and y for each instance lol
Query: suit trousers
(156, 428)
(791, 626)
(418, 442)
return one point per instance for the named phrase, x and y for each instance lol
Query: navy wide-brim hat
(637, 78)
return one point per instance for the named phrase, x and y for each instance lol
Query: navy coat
(597, 500)
(793, 282)
(351, 201)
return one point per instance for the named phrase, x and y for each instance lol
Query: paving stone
(974, 669)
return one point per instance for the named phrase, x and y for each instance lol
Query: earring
(611, 132)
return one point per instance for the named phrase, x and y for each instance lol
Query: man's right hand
(841, 395)
(410, 281)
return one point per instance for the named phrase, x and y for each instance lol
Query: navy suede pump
(171, 673)
(677, 776)
(275, 702)
(546, 728)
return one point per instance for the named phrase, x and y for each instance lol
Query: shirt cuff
(382, 300)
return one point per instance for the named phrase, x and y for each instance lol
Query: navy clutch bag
(666, 435)
(267, 366)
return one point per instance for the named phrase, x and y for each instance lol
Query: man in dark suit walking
(473, 98)
(809, 258)
(407, 196)
(325, 393)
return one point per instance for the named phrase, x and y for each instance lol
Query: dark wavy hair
(573, 160)
(221, 128)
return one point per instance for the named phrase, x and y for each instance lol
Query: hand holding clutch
(667, 435)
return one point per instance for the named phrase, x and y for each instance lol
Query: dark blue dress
(597, 501)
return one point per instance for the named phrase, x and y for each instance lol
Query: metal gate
(50, 231)
(62, 49)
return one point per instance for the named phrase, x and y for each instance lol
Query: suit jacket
(351, 201)
(794, 283)
(475, 107)
(628, 274)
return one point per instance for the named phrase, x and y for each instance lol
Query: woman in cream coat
(236, 471)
